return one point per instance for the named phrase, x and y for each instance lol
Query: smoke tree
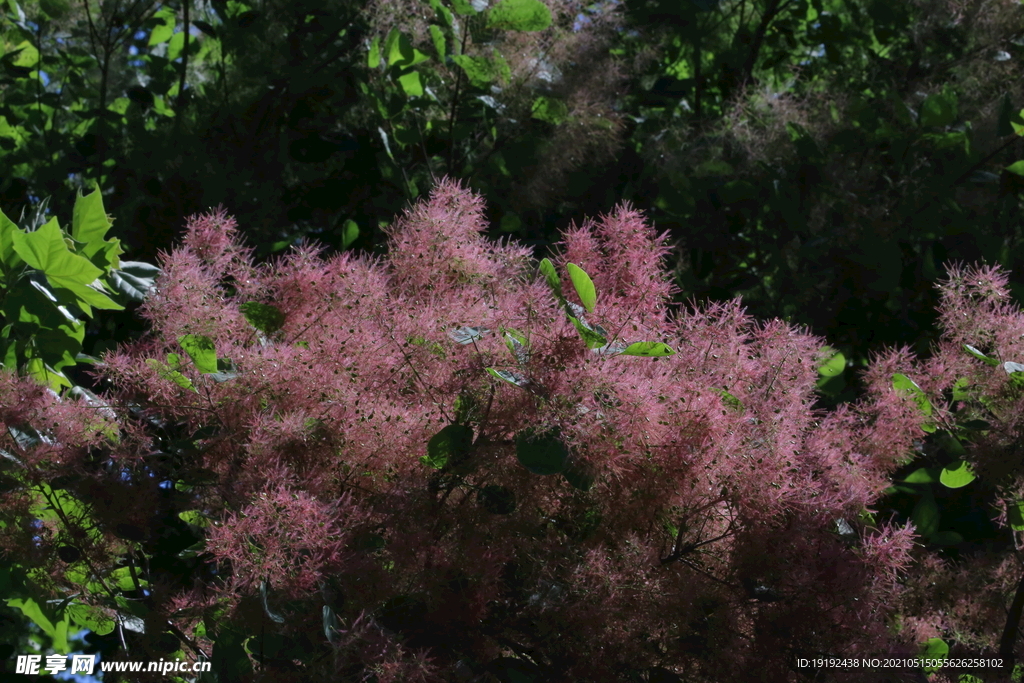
(446, 464)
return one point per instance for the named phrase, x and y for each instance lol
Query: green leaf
(468, 335)
(507, 376)
(463, 8)
(519, 15)
(834, 366)
(550, 109)
(1016, 167)
(904, 384)
(8, 257)
(925, 515)
(194, 517)
(547, 269)
(648, 349)
(1015, 515)
(956, 475)
(89, 226)
(579, 475)
(584, 286)
(330, 624)
(517, 344)
(134, 279)
(960, 389)
(163, 31)
(437, 35)
(349, 233)
(542, 452)
(933, 648)
(482, 71)
(411, 84)
(201, 350)
(34, 612)
(730, 400)
(46, 250)
(498, 500)
(373, 61)
(452, 444)
(923, 475)
(980, 356)
(592, 338)
(400, 52)
(92, 618)
(264, 317)
(167, 373)
(939, 110)
(947, 538)
(273, 616)
(45, 375)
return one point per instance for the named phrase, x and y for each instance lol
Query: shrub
(440, 464)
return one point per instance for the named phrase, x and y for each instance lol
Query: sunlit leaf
(956, 475)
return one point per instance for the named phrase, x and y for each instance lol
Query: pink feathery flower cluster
(370, 428)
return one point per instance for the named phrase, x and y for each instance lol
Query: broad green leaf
(1016, 167)
(956, 475)
(468, 335)
(27, 55)
(373, 61)
(412, 84)
(483, 71)
(579, 475)
(349, 233)
(163, 31)
(194, 517)
(980, 356)
(134, 279)
(401, 53)
(834, 366)
(584, 286)
(510, 377)
(542, 452)
(730, 400)
(517, 345)
(519, 15)
(9, 259)
(550, 109)
(330, 624)
(264, 317)
(174, 49)
(902, 383)
(452, 444)
(45, 375)
(933, 648)
(274, 616)
(498, 500)
(960, 389)
(947, 538)
(92, 618)
(547, 269)
(648, 349)
(201, 350)
(939, 110)
(463, 8)
(592, 338)
(34, 612)
(167, 373)
(1015, 515)
(45, 250)
(925, 515)
(437, 35)
(923, 475)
